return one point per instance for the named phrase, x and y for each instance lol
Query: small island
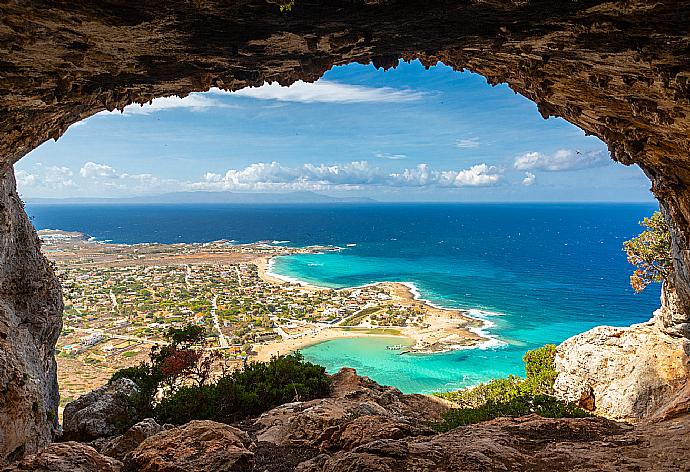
(121, 299)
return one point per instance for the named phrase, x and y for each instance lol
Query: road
(214, 316)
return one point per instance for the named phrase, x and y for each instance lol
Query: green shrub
(245, 393)
(543, 405)
(513, 395)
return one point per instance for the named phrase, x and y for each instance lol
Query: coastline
(446, 329)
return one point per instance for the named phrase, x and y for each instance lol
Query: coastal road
(214, 316)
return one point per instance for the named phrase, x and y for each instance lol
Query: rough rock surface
(622, 373)
(529, 443)
(357, 411)
(66, 457)
(119, 446)
(198, 445)
(100, 413)
(30, 323)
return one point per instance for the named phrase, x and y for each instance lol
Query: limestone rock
(119, 446)
(197, 445)
(30, 323)
(519, 444)
(100, 413)
(66, 457)
(322, 423)
(622, 373)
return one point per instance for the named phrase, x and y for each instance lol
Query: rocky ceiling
(617, 69)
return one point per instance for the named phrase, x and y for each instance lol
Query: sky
(406, 134)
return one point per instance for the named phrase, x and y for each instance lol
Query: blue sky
(407, 134)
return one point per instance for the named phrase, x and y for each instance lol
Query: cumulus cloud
(467, 143)
(529, 179)
(94, 170)
(561, 160)
(52, 177)
(25, 179)
(352, 175)
(476, 176)
(324, 91)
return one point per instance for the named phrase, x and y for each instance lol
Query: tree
(650, 253)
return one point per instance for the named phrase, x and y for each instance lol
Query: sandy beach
(442, 330)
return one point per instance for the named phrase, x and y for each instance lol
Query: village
(120, 300)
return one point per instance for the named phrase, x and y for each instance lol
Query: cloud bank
(561, 160)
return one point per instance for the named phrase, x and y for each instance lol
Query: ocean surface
(538, 273)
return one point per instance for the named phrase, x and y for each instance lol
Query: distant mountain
(212, 197)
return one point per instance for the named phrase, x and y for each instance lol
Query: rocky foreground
(362, 426)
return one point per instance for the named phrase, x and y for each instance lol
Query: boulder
(198, 445)
(66, 457)
(371, 408)
(119, 446)
(103, 412)
(622, 373)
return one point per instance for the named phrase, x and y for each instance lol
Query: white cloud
(328, 92)
(389, 156)
(352, 175)
(529, 179)
(476, 176)
(52, 177)
(94, 170)
(24, 179)
(467, 143)
(561, 160)
(195, 102)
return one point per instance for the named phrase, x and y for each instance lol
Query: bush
(650, 253)
(513, 395)
(542, 405)
(540, 376)
(248, 392)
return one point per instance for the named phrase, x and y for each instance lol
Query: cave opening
(358, 137)
(618, 70)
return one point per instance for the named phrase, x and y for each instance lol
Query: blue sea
(538, 273)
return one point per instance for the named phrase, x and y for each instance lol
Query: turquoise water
(537, 274)
(547, 271)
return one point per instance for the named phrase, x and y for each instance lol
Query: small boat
(395, 347)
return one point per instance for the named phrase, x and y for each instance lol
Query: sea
(536, 273)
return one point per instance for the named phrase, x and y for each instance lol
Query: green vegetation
(358, 317)
(183, 374)
(285, 5)
(512, 396)
(650, 253)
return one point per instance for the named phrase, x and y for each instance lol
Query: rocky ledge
(623, 373)
(363, 426)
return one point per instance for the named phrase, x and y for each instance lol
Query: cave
(619, 70)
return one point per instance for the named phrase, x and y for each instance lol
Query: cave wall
(30, 323)
(619, 70)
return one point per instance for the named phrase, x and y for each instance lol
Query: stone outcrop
(622, 373)
(30, 323)
(618, 69)
(198, 445)
(66, 457)
(358, 409)
(100, 413)
(529, 443)
(119, 446)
